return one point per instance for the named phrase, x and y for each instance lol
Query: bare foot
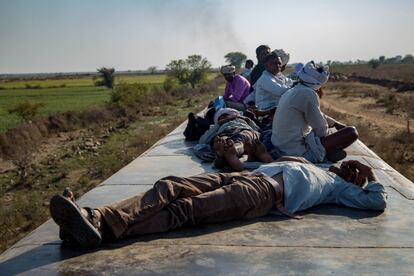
(249, 149)
(230, 155)
(261, 153)
(218, 145)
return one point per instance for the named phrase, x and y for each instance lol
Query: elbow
(380, 202)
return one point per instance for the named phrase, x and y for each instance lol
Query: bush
(129, 95)
(390, 102)
(26, 110)
(32, 86)
(170, 83)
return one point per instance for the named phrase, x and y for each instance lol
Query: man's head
(249, 64)
(261, 52)
(313, 75)
(350, 173)
(272, 63)
(228, 72)
(283, 56)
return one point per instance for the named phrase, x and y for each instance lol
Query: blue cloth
(204, 152)
(316, 151)
(265, 139)
(219, 103)
(306, 185)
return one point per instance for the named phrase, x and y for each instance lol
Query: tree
(152, 70)
(191, 71)
(408, 59)
(374, 63)
(107, 77)
(235, 58)
(381, 59)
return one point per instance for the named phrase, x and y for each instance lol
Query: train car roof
(330, 239)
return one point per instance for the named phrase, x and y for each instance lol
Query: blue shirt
(306, 185)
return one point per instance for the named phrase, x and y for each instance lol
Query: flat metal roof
(329, 240)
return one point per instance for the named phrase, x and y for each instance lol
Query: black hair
(261, 48)
(250, 62)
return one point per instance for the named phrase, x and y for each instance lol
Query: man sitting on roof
(285, 187)
(248, 69)
(299, 126)
(272, 84)
(237, 87)
(261, 52)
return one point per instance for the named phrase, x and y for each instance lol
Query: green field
(79, 81)
(78, 94)
(54, 100)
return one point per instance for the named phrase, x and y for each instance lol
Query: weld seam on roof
(123, 184)
(409, 198)
(108, 246)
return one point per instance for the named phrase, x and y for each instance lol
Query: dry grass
(117, 134)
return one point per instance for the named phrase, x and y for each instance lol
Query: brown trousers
(180, 201)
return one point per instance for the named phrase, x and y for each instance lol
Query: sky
(82, 35)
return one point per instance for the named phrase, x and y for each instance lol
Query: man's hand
(364, 170)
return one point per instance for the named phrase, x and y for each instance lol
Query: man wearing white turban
(299, 126)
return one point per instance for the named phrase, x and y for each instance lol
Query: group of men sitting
(271, 118)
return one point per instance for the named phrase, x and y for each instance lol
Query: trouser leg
(242, 198)
(120, 215)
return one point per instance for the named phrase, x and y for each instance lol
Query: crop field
(402, 72)
(60, 95)
(80, 81)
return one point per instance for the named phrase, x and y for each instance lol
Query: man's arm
(371, 197)
(240, 87)
(314, 116)
(227, 91)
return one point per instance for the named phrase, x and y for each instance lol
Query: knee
(352, 133)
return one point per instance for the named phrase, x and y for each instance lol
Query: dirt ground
(385, 132)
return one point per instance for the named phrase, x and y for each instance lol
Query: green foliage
(408, 59)
(236, 58)
(107, 77)
(129, 95)
(193, 70)
(152, 70)
(32, 86)
(374, 63)
(26, 110)
(170, 83)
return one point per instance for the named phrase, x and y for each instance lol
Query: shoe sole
(70, 219)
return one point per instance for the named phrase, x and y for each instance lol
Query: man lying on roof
(237, 87)
(299, 126)
(229, 125)
(286, 186)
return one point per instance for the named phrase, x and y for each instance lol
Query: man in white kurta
(272, 84)
(299, 126)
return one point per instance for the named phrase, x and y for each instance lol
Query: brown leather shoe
(83, 229)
